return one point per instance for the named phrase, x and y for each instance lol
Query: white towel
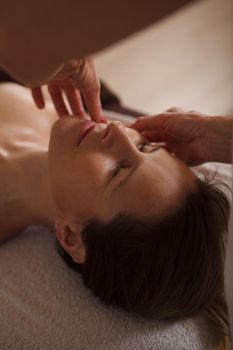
(44, 305)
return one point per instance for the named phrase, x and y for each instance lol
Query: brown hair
(166, 270)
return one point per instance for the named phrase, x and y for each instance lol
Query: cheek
(77, 180)
(93, 168)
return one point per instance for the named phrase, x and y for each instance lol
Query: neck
(37, 199)
(25, 198)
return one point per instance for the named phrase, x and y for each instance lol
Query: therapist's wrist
(217, 138)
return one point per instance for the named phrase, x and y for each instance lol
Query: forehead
(158, 185)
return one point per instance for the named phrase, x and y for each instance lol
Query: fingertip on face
(134, 133)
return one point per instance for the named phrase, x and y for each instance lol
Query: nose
(115, 131)
(118, 129)
(117, 141)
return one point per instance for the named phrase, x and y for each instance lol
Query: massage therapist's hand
(192, 136)
(75, 78)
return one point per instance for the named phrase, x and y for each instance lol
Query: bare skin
(31, 192)
(29, 198)
(53, 34)
(39, 40)
(24, 136)
(193, 137)
(24, 188)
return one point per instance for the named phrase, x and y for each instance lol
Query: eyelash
(124, 164)
(142, 146)
(119, 167)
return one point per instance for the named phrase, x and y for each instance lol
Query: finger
(57, 98)
(87, 82)
(153, 136)
(137, 122)
(38, 97)
(104, 120)
(150, 122)
(92, 101)
(74, 99)
(129, 125)
(159, 121)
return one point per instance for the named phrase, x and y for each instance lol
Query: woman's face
(112, 171)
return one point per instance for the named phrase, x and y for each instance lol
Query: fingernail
(103, 120)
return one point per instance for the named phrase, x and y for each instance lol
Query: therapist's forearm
(36, 37)
(218, 138)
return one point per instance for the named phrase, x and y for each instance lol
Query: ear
(70, 237)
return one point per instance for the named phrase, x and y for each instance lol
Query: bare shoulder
(17, 106)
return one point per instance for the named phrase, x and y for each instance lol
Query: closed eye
(142, 146)
(120, 166)
(116, 170)
(146, 147)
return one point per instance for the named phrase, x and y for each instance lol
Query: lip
(85, 127)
